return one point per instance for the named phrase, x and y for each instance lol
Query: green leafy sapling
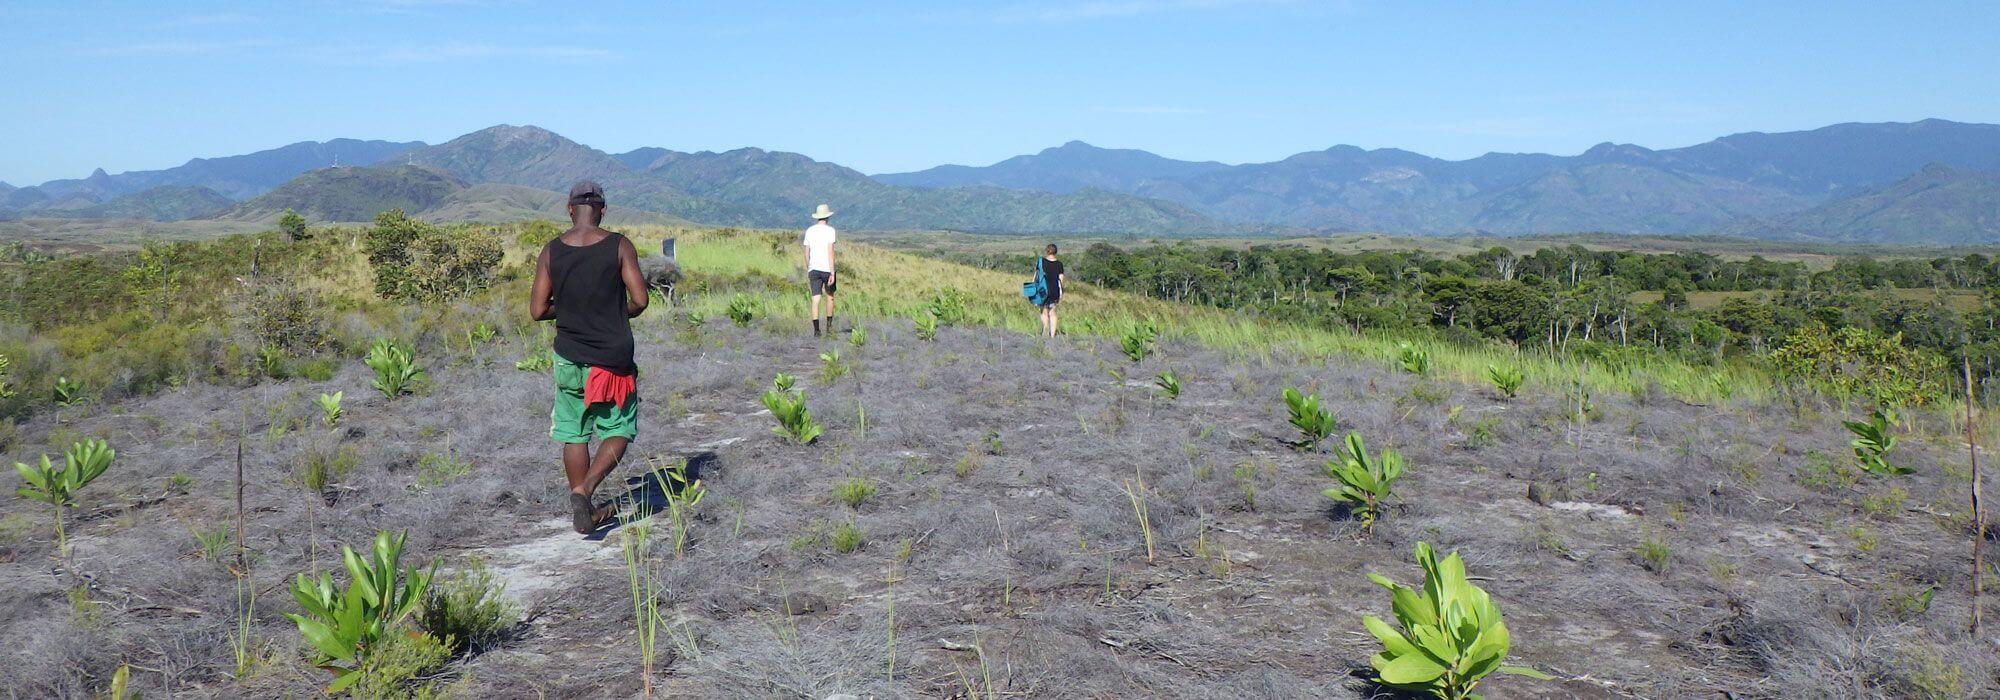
(1314, 422)
(742, 309)
(1366, 481)
(1449, 635)
(83, 462)
(67, 392)
(1872, 442)
(1137, 343)
(1507, 379)
(396, 371)
(1414, 358)
(789, 408)
(1169, 384)
(329, 407)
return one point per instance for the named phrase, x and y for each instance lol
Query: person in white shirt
(819, 265)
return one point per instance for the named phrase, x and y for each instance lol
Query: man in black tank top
(587, 280)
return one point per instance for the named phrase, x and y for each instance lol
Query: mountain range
(1752, 183)
(1928, 182)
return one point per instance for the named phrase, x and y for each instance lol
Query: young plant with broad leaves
(329, 407)
(67, 392)
(1873, 439)
(1314, 422)
(795, 422)
(83, 462)
(1414, 358)
(926, 326)
(857, 337)
(742, 309)
(1169, 384)
(344, 628)
(831, 367)
(1507, 379)
(1137, 343)
(396, 371)
(1448, 637)
(1366, 481)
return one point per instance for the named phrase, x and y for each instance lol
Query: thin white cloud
(451, 52)
(178, 47)
(1152, 109)
(1110, 9)
(209, 20)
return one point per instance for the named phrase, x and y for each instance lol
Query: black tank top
(591, 325)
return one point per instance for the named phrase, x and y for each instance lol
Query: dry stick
(1978, 519)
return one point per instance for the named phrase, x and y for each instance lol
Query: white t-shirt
(819, 247)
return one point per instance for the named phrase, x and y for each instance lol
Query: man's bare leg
(609, 453)
(576, 465)
(584, 474)
(815, 314)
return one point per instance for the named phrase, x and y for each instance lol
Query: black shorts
(820, 282)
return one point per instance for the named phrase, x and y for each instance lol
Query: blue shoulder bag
(1038, 290)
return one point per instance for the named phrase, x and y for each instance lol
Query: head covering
(822, 213)
(586, 192)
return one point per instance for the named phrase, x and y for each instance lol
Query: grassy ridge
(879, 282)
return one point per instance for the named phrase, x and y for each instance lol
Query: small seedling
(396, 371)
(926, 325)
(794, 420)
(1506, 379)
(1314, 422)
(742, 309)
(845, 538)
(1137, 343)
(831, 367)
(67, 393)
(1169, 384)
(854, 491)
(83, 462)
(329, 407)
(535, 363)
(1414, 358)
(858, 337)
(1872, 442)
(1366, 481)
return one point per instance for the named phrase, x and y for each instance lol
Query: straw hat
(822, 213)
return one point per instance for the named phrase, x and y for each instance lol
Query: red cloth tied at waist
(603, 386)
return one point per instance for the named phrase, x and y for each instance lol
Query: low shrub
(854, 491)
(469, 609)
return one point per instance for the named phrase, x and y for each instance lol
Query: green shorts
(573, 422)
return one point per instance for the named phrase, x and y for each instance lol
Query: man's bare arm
(541, 295)
(636, 296)
(830, 267)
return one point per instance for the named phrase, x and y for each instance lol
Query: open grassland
(986, 515)
(1817, 256)
(881, 282)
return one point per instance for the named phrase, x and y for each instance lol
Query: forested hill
(1754, 183)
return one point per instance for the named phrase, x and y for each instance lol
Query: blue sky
(890, 86)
